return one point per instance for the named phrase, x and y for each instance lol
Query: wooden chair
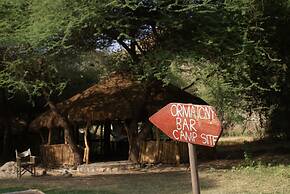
(25, 162)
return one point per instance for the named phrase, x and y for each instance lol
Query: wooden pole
(193, 168)
(49, 136)
(87, 149)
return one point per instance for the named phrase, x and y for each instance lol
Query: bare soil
(247, 167)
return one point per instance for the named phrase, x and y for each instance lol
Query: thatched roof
(45, 120)
(118, 97)
(114, 98)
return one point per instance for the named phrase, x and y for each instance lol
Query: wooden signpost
(194, 124)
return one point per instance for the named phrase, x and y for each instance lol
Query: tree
(275, 21)
(78, 26)
(237, 35)
(261, 68)
(26, 68)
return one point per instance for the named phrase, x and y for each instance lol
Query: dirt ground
(219, 176)
(247, 167)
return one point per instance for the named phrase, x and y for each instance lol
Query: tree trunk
(67, 130)
(157, 145)
(6, 144)
(134, 147)
(135, 140)
(5, 113)
(144, 132)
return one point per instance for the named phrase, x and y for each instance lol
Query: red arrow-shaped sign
(196, 124)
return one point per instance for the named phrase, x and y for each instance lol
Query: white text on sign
(187, 117)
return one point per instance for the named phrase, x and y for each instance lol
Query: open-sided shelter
(116, 107)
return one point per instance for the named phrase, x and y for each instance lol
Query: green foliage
(30, 77)
(35, 54)
(236, 51)
(13, 17)
(210, 83)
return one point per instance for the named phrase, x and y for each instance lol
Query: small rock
(9, 167)
(30, 191)
(66, 173)
(74, 168)
(114, 169)
(40, 172)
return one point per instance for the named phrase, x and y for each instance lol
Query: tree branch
(155, 33)
(139, 47)
(189, 86)
(131, 52)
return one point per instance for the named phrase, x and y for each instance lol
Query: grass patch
(257, 178)
(252, 179)
(94, 191)
(11, 189)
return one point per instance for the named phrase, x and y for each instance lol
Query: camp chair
(25, 162)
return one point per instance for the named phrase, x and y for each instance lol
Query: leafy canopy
(245, 41)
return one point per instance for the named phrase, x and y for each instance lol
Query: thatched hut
(117, 103)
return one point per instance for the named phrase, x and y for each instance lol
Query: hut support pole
(101, 139)
(87, 148)
(65, 132)
(49, 137)
(42, 138)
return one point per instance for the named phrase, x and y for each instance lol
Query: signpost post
(193, 168)
(194, 124)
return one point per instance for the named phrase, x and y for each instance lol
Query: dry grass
(248, 179)
(235, 140)
(259, 167)
(259, 179)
